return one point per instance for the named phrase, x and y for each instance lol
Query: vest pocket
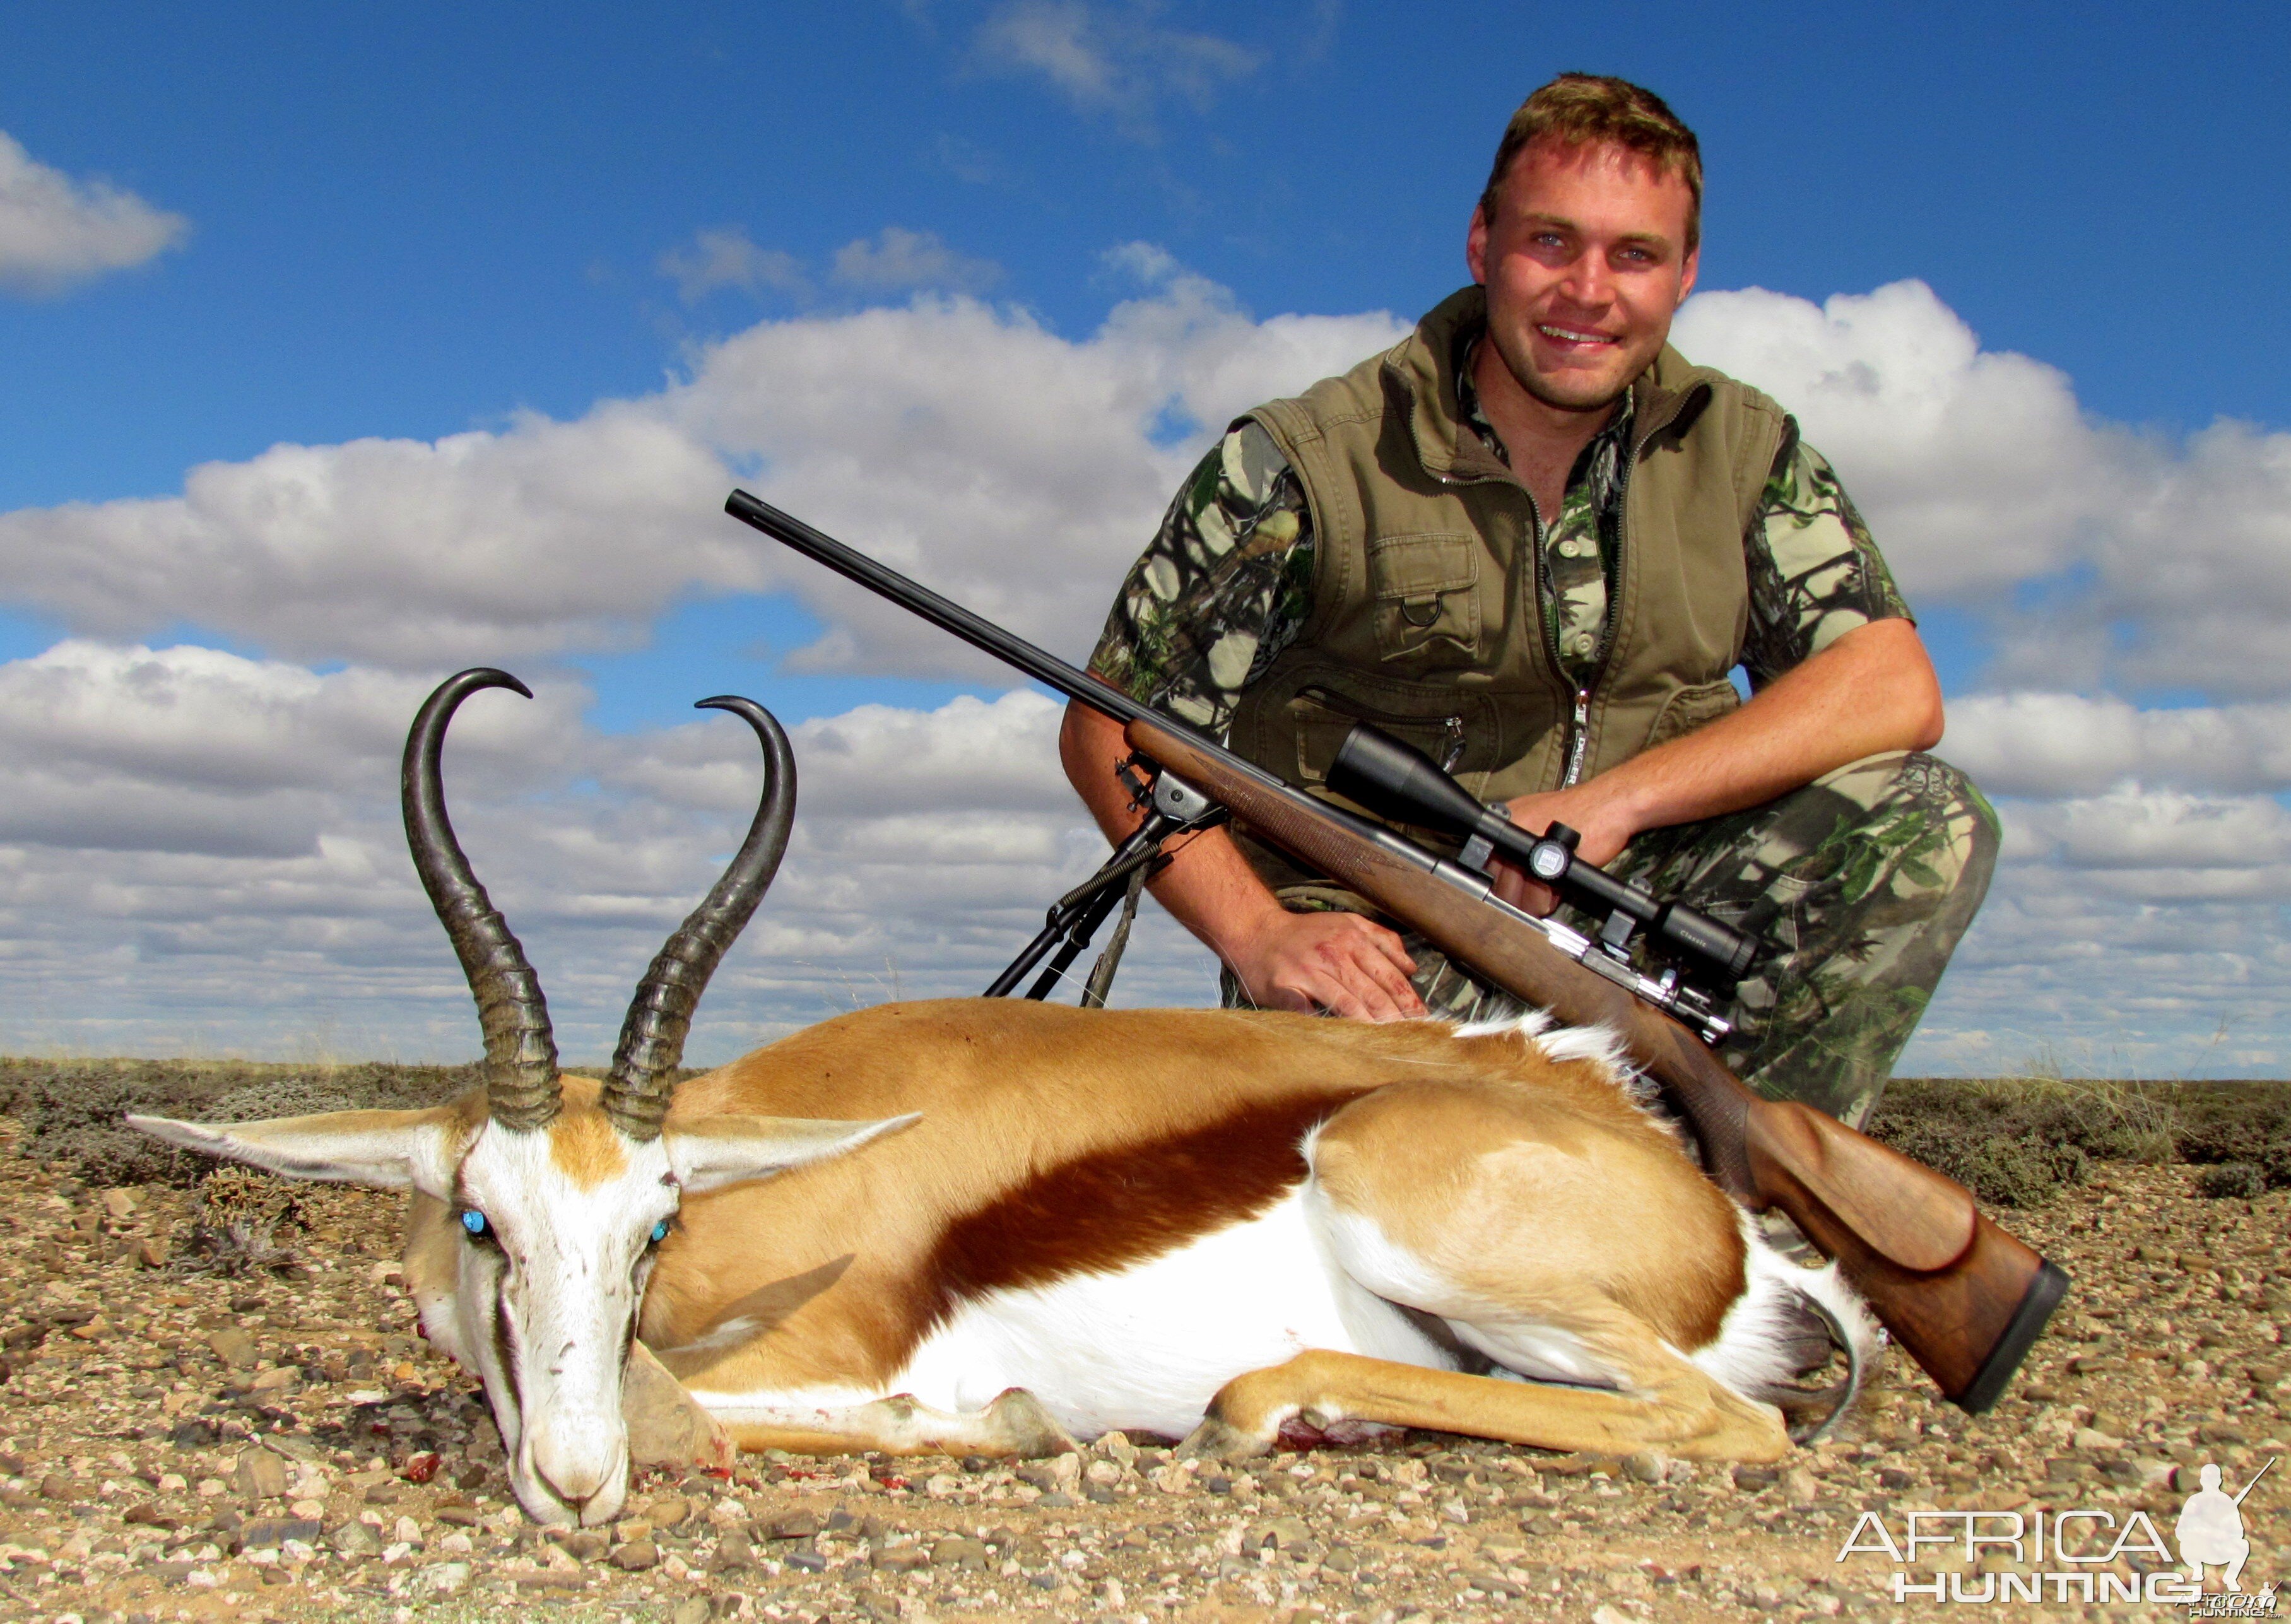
(1691, 708)
(1323, 718)
(1427, 599)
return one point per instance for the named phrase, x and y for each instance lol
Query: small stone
(151, 1252)
(1801, 1486)
(120, 1204)
(939, 1485)
(1059, 1474)
(233, 1347)
(636, 1555)
(284, 1378)
(355, 1540)
(1106, 1473)
(445, 1578)
(1644, 1467)
(260, 1475)
(794, 1525)
(732, 1552)
(405, 1531)
(55, 1486)
(1754, 1479)
(691, 1609)
(667, 1510)
(2093, 1439)
(268, 1533)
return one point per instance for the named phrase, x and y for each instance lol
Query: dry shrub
(70, 1111)
(2018, 1141)
(244, 1221)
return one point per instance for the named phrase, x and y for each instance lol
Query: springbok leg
(1014, 1423)
(1682, 1412)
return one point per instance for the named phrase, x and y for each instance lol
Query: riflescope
(1401, 782)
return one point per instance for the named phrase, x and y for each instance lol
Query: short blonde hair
(1584, 109)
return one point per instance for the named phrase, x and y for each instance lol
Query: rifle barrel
(984, 635)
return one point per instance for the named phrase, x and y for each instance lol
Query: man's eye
(474, 1221)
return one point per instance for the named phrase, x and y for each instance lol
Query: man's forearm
(1872, 690)
(1338, 962)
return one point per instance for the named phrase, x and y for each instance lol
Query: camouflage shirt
(1227, 584)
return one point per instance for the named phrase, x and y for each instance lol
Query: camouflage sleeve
(1815, 573)
(1223, 587)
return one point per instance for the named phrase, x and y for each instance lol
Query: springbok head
(540, 1199)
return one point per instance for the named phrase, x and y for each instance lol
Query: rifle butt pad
(1970, 1325)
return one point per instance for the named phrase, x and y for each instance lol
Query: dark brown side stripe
(1113, 1208)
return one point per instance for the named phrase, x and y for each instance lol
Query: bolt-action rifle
(1966, 1299)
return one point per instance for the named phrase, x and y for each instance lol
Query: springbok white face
(529, 1255)
(540, 1201)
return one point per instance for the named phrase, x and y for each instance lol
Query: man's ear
(1476, 243)
(384, 1150)
(728, 1150)
(1688, 269)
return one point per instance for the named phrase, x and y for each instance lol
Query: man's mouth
(1572, 336)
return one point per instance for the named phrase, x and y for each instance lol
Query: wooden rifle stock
(1965, 1298)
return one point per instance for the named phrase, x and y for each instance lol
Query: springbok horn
(521, 1085)
(636, 1093)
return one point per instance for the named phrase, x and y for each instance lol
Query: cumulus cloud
(2103, 556)
(200, 849)
(241, 886)
(946, 434)
(55, 231)
(898, 259)
(1111, 58)
(724, 257)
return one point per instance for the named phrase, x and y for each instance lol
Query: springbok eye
(474, 1221)
(660, 1232)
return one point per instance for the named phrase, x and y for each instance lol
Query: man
(1535, 540)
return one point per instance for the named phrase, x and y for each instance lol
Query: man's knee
(1922, 813)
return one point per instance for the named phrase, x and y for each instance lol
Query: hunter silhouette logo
(2210, 1532)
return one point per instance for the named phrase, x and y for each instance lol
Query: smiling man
(1537, 542)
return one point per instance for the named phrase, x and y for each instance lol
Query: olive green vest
(1426, 615)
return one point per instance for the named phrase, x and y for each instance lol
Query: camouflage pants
(1861, 884)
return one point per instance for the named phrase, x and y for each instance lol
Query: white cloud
(2162, 565)
(724, 257)
(2041, 743)
(1111, 58)
(55, 231)
(200, 849)
(898, 259)
(947, 435)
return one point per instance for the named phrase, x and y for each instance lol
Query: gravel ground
(180, 1441)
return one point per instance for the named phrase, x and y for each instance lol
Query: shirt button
(1571, 548)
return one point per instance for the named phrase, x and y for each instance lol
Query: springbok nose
(576, 1477)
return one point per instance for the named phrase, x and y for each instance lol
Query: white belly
(1145, 1349)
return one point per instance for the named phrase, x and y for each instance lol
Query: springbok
(977, 1226)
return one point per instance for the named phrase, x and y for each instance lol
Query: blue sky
(422, 221)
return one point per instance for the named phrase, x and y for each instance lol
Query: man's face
(1585, 263)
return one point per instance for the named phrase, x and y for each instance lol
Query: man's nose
(1587, 280)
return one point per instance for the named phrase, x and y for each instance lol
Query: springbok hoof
(1032, 1432)
(666, 1425)
(1215, 1439)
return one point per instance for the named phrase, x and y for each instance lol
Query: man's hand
(1340, 962)
(1605, 828)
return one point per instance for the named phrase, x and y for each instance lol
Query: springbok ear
(386, 1149)
(725, 1150)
